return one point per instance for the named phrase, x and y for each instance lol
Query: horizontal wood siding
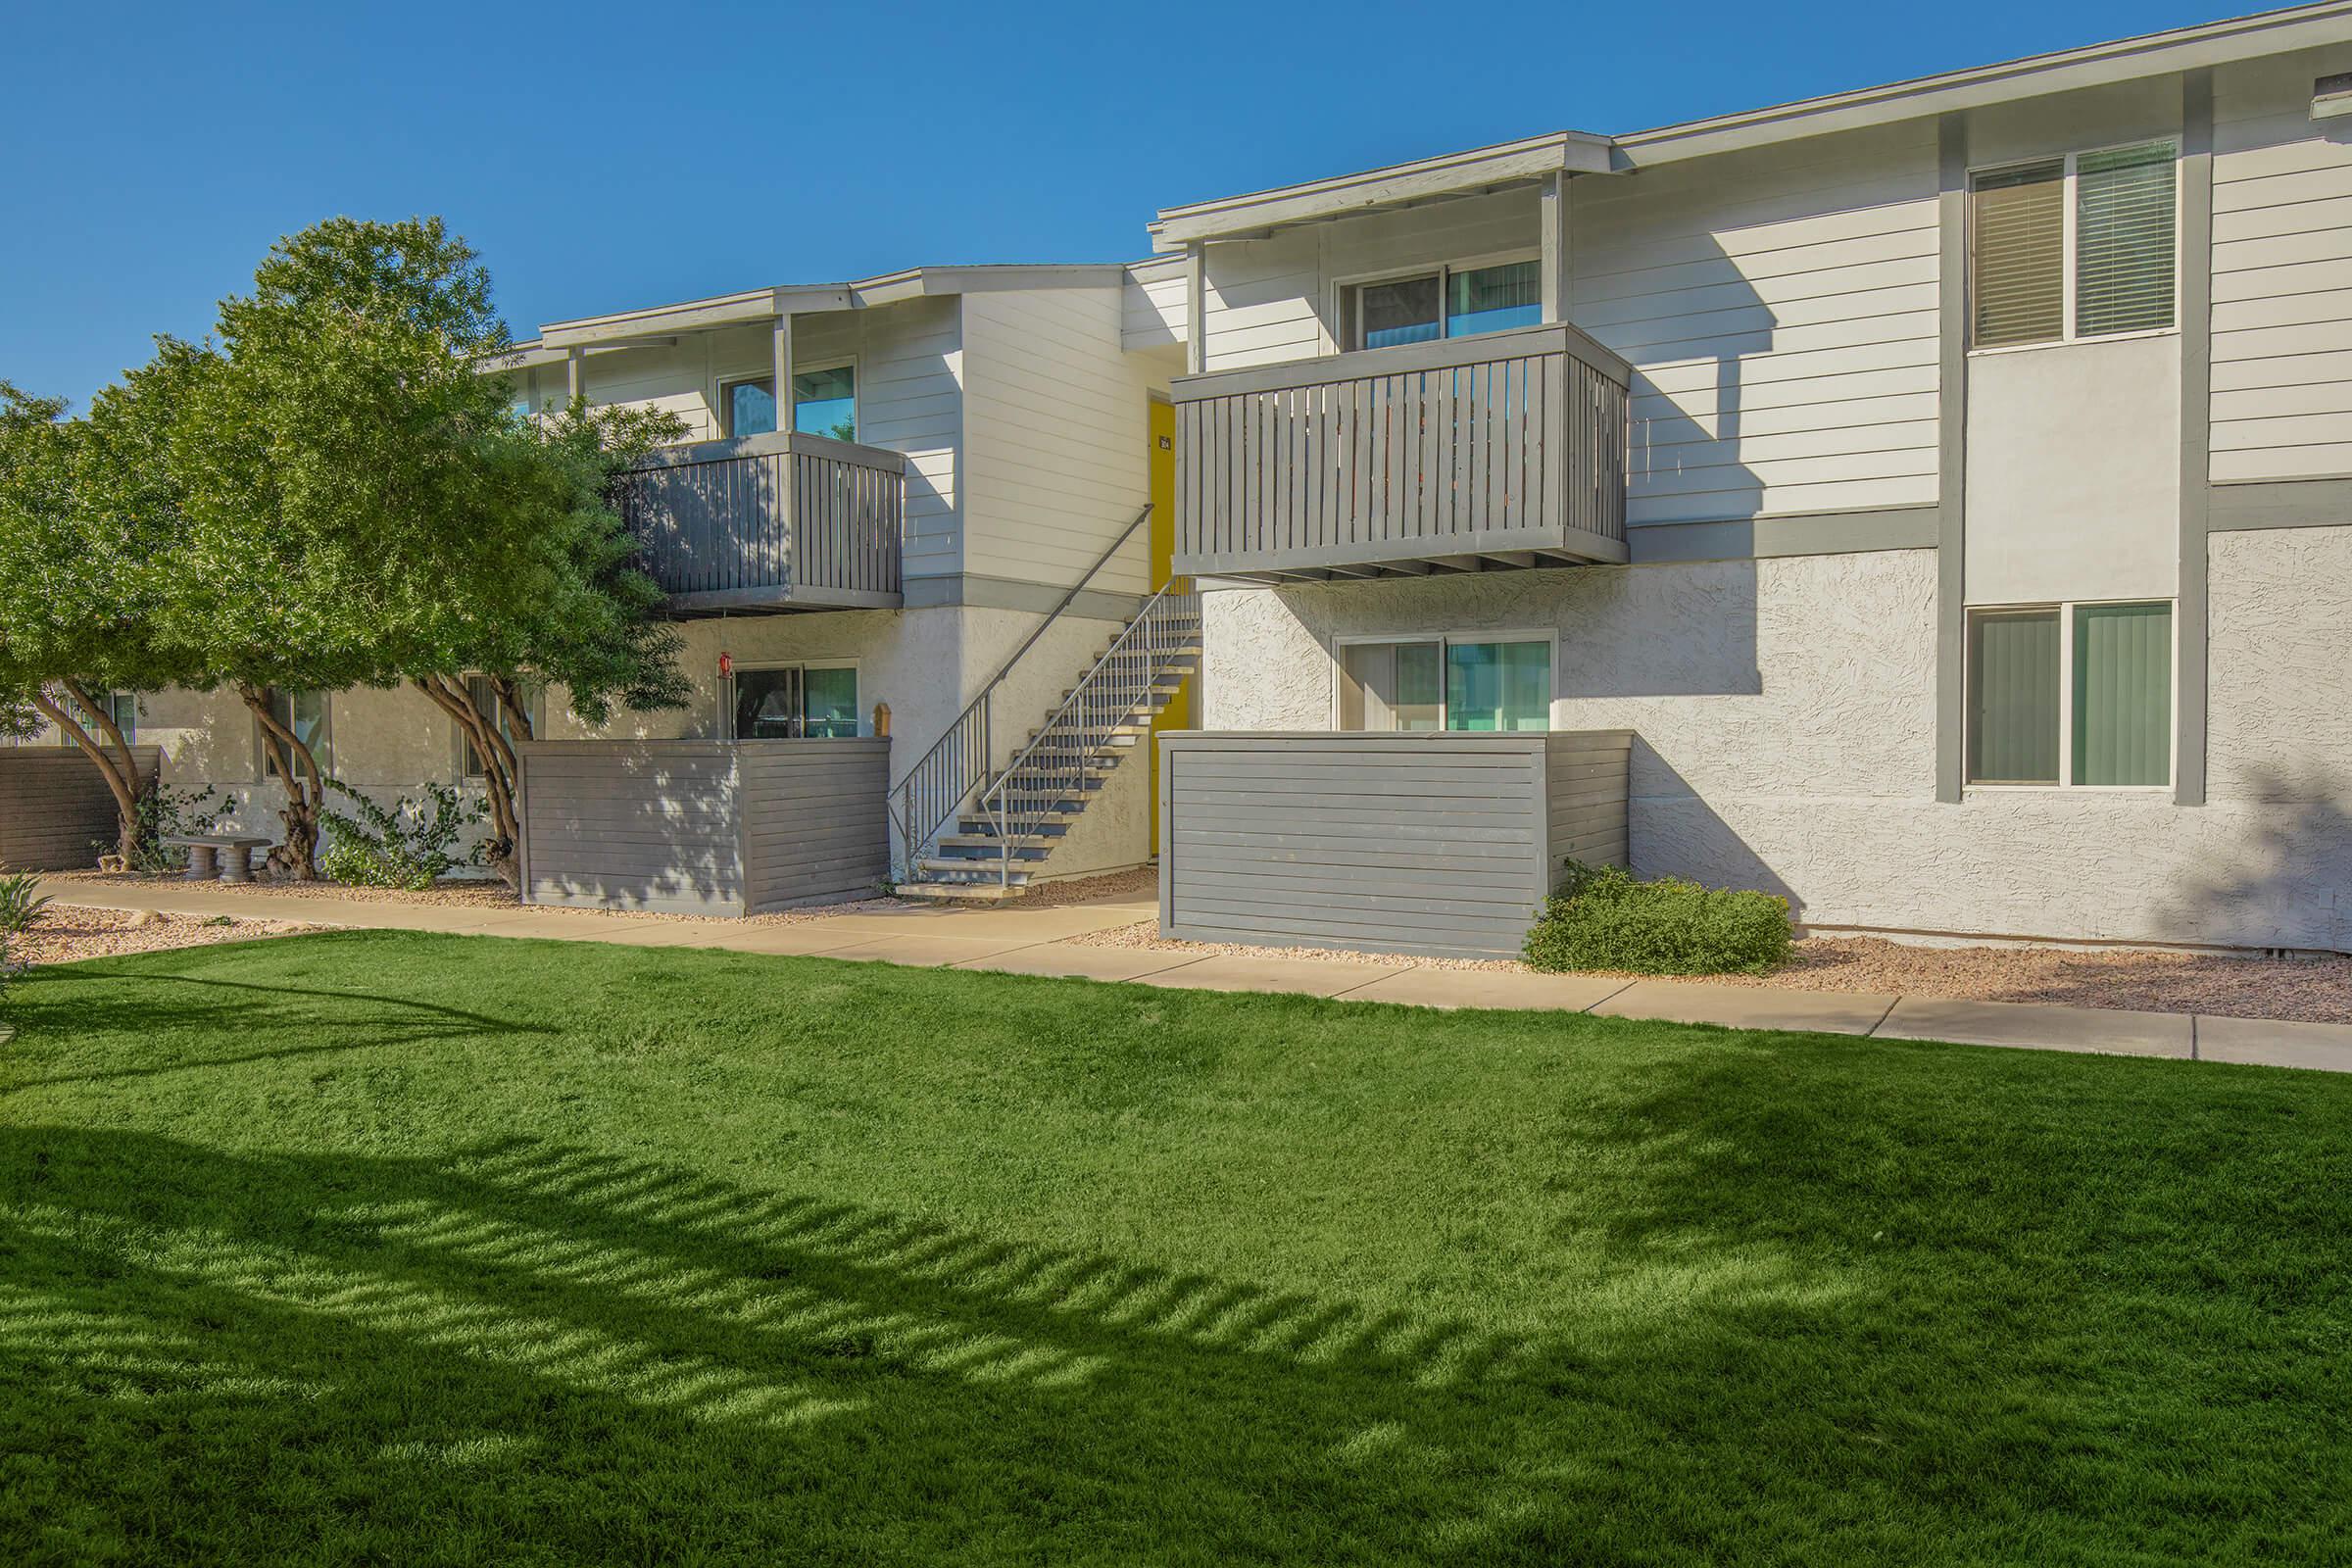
(1779, 311)
(2281, 273)
(56, 813)
(1510, 441)
(633, 825)
(1443, 844)
(1057, 456)
(815, 820)
(1155, 311)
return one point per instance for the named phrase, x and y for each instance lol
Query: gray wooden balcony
(1505, 449)
(778, 521)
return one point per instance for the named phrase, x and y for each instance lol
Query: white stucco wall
(1786, 717)
(2074, 472)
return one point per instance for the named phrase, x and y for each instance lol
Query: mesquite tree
(566, 609)
(87, 512)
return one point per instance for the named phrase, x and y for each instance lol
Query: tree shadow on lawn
(233, 1007)
(529, 1351)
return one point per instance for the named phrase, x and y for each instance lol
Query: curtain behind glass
(832, 702)
(1498, 686)
(2124, 694)
(2013, 699)
(1402, 311)
(1492, 299)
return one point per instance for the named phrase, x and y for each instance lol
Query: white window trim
(747, 666)
(1343, 286)
(2067, 266)
(2066, 609)
(1548, 637)
(846, 361)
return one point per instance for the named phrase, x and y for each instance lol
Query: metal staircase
(1009, 820)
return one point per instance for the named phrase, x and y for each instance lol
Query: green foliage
(1602, 918)
(163, 813)
(20, 903)
(404, 845)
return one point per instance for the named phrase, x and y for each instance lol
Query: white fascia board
(1396, 186)
(2155, 54)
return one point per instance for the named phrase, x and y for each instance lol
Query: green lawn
(398, 1249)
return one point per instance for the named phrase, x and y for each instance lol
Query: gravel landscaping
(69, 933)
(2302, 989)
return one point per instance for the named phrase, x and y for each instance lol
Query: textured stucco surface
(1785, 710)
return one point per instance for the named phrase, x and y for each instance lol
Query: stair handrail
(961, 751)
(1139, 647)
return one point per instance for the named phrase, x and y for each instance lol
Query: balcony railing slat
(1506, 442)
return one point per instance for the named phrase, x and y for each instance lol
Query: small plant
(1602, 918)
(404, 845)
(19, 905)
(166, 813)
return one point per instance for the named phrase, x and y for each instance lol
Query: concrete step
(961, 892)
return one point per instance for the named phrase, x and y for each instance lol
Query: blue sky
(601, 157)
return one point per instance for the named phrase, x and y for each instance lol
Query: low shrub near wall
(1605, 919)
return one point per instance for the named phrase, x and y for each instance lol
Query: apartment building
(1948, 486)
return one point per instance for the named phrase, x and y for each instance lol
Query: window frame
(2069, 264)
(1345, 310)
(2065, 610)
(1548, 637)
(322, 749)
(753, 667)
(114, 700)
(784, 423)
(460, 742)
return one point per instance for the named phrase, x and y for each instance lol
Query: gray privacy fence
(704, 827)
(56, 813)
(1443, 843)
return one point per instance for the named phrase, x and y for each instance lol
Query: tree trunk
(298, 772)
(126, 763)
(497, 770)
(122, 774)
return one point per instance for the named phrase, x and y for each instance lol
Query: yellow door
(1178, 714)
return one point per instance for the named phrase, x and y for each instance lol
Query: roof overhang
(1481, 169)
(2098, 65)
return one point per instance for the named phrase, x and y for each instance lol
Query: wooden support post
(1552, 227)
(783, 365)
(575, 384)
(1195, 308)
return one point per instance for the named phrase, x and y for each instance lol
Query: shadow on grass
(526, 1350)
(233, 1008)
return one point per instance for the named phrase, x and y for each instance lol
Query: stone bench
(227, 856)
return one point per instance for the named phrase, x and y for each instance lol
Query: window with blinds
(2113, 211)
(2123, 236)
(2019, 250)
(2077, 695)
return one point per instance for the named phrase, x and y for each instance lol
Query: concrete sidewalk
(1018, 940)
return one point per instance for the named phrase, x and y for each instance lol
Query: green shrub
(405, 847)
(19, 905)
(1605, 919)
